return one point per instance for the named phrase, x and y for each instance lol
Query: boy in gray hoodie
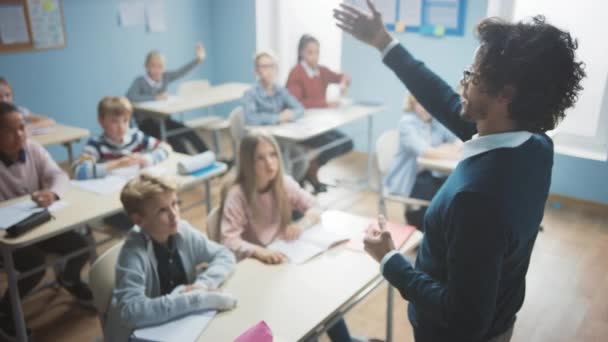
(156, 275)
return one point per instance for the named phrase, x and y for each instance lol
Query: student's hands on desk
(213, 298)
(269, 257)
(162, 96)
(292, 232)
(126, 161)
(286, 115)
(378, 241)
(44, 198)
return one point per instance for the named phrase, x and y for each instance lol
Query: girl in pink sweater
(258, 206)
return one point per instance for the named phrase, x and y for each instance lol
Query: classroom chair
(101, 280)
(213, 225)
(208, 123)
(237, 129)
(387, 146)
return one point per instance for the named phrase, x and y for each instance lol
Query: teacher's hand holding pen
(378, 241)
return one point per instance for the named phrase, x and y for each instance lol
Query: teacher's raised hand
(368, 28)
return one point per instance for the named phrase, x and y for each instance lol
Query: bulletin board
(29, 25)
(427, 17)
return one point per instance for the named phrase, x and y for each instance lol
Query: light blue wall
(234, 44)
(102, 58)
(580, 178)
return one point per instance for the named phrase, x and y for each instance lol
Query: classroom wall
(102, 58)
(233, 27)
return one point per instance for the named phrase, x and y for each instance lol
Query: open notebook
(313, 241)
(185, 329)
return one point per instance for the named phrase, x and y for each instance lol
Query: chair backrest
(213, 225)
(192, 87)
(237, 126)
(101, 278)
(387, 146)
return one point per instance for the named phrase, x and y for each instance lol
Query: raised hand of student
(378, 242)
(292, 232)
(200, 52)
(162, 96)
(366, 27)
(268, 257)
(286, 115)
(44, 198)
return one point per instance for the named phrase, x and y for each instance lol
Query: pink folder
(258, 333)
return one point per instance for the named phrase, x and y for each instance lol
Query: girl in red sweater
(308, 82)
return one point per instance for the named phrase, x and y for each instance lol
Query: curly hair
(538, 60)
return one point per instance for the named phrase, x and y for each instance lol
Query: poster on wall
(46, 23)
(427, 17)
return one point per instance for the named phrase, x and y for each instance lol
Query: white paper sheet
(160, 104)
(313, 241)
(126, 173)
(298, 251)
(388, 8)
(13, 27)
(41, 131)
(18, 211)
(131, 13)
(102, 186)
(155, 16)
(324, 237)
(185, 329)
(410, 12)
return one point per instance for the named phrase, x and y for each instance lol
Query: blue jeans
(339, 332)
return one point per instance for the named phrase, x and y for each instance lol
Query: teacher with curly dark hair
(469, 279)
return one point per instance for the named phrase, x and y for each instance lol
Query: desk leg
(389, 313)
(7, 255)
(163, 129)
(288, 163)
(370, 145)
(208, 195)
(68, 146)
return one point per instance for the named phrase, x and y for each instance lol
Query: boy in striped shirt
(118, 146)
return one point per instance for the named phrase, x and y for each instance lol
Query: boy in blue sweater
(469, 279)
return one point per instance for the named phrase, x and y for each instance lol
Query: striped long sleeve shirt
(100, 150)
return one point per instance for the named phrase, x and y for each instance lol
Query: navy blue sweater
(480, 228)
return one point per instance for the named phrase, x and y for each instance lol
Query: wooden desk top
(295, 299)
(318, 121)
(214, 95)
(85, 206)
(441, 165)
(59, 134)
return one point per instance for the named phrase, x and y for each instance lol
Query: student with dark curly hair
(469, 280)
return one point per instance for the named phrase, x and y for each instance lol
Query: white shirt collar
(310, 72)
(152, 83)
(478, 145)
